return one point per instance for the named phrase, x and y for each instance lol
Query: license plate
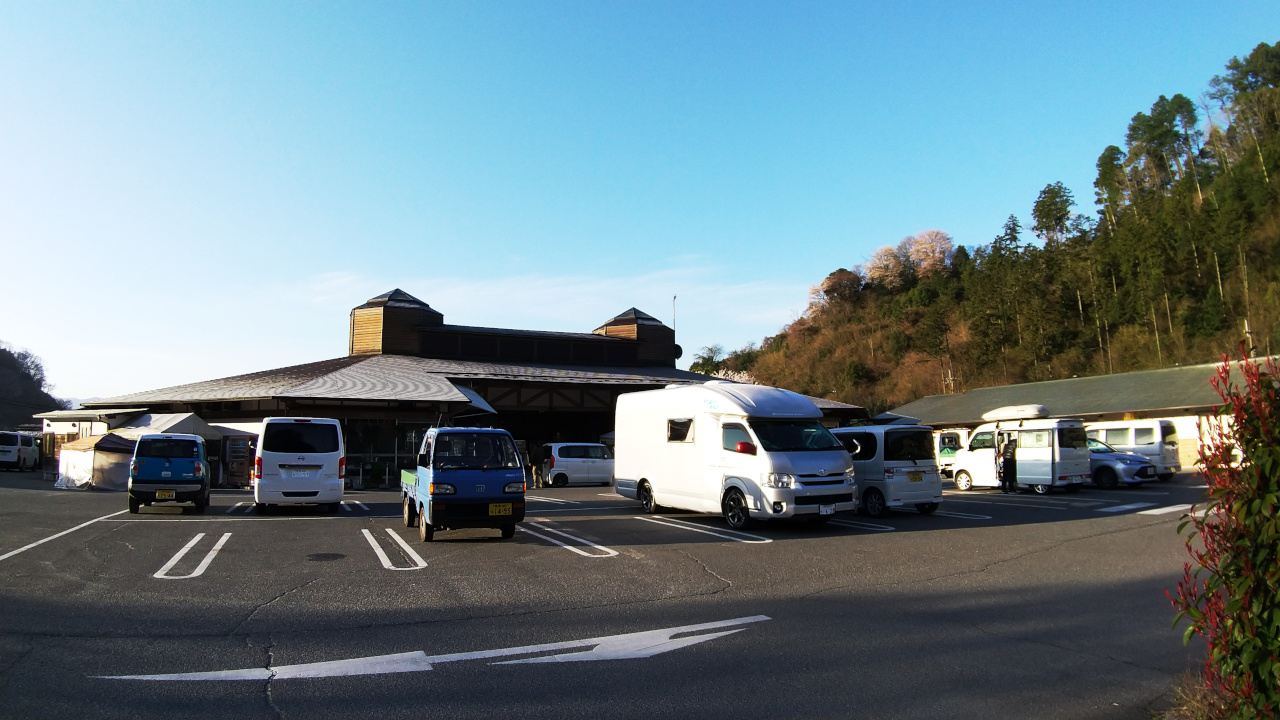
(301, 473)
(500, 508)
(826, 509)
(916, 476)
(164, 494)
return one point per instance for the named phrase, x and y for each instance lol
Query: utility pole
(673, 313)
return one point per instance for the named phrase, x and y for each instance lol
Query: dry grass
(1192, 701)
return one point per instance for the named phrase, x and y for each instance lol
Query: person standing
(1009, 465)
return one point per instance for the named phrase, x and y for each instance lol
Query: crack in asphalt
(266, 688)
(31, 647)
(728, 584)
(253, 612)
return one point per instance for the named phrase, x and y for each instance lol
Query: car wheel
(926, 508)
(964, 481)
(646, 498)
(508, 531)
(560, 480)
(1041, 489)
(426, 533)
(1106, 479)
(134, 505)
(873, 502)
(734, 507)
(410, 517)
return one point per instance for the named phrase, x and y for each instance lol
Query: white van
(744, 451)
(19, 451)
(299, 460)
(1051, 452)
(1156, 439)
(577, 463)
(948, 443)
(893, 467)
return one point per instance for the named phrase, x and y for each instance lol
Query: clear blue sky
(203, 189)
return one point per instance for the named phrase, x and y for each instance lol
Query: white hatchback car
(577, 463)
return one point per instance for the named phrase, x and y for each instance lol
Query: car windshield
(474, 451)
(793, 435)
(908, 445)
(296, 437)
(168, 448)
(1099, 446)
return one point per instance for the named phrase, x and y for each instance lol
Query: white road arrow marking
(628, 646)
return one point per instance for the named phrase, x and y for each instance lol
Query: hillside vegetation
(1181, 253)
(23, 388)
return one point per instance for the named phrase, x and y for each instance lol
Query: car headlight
(443, 489)
(514, 487)
(779, 480)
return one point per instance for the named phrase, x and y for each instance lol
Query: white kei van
(746, 452)
(948, 443)
(1156, 439)
(577, 463)
(1051, 452)
(893, 466)
(299, 460)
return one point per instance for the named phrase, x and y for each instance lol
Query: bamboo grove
(1177, 265)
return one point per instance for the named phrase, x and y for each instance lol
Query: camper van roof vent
(1016, 412)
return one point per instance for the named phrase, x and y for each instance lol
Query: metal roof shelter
(1183, 390)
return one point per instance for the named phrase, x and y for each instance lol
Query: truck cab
(465, 478)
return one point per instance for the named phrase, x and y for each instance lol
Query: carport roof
(1176, 390)
(391, 377)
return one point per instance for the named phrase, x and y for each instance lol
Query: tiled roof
(391, 377)
(1175, 390)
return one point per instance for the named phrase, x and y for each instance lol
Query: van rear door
(166, 460)
(297, 452)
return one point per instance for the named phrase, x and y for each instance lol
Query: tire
(134, 505)
(964, 481)
(1106, 479)
(873, 502)
(926, 508)
(645, 494)
(734, 507)
(426, 533)
(560, 480)
(1041, 489)
(201, 503)
(508, 531)
(410, 513)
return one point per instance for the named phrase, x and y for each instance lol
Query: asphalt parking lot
(997, 606)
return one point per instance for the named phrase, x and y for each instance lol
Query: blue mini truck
(466, 478)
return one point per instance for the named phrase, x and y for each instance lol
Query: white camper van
(1051, 452)
(1156, 439)
(744, 451)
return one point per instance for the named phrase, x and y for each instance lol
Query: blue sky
(205, 189)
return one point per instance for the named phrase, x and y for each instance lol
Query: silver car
(1111, 468)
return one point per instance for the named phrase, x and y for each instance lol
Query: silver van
(577, 463)
(299, 460)
(894, 466)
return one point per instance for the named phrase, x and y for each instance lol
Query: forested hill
(1182, 250)
(23, 388)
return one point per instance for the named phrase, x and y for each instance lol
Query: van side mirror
(745, 448)
(424, 460)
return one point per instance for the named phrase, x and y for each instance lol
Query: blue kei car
(1111, 468)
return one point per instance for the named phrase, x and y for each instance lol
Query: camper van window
(734, 434)
(908, 445)
(1072, 437)
(1168, 435)
(794, 435)
(982, 441)
(1034, 438)
(168, 449)
(1144, 436)
(679, 430)
(474, 451)
(1117, 436)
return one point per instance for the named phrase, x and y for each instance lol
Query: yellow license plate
(500, 508)
(164, 494)
(916, 476)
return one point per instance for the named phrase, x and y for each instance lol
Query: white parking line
(863, 525)
(551, 500)
(25, 548)
(609, 494)
(608, 552)
(347, 506)
(686, 525)
(1139, 492)
(1166, 510)
(162, 573)
(1010, 504)
(235, 507)
(418, 562)
(589, 509)
(962, 516)
(1123, 508)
